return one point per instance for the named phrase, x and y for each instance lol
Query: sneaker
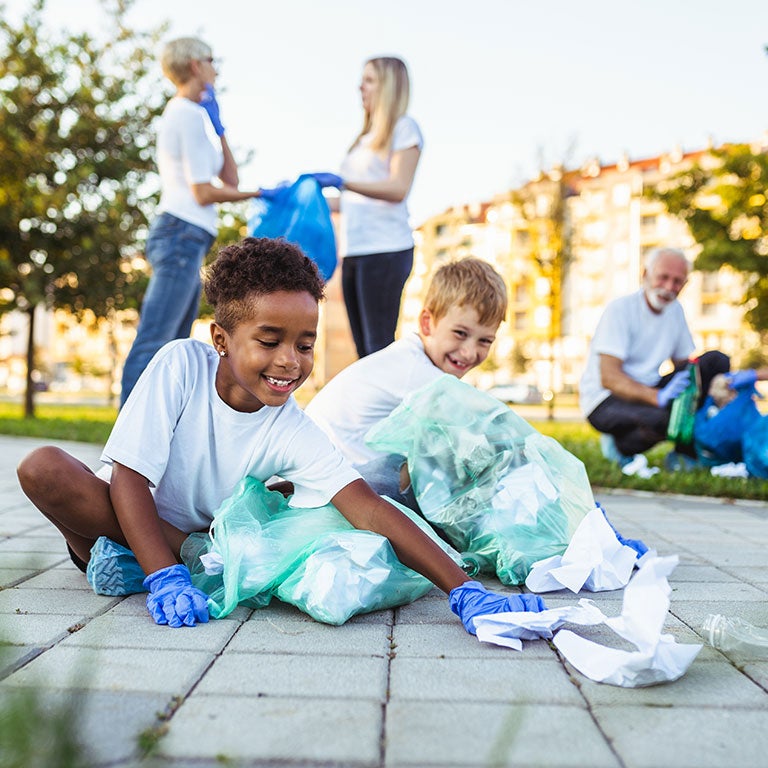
(679, 462)
(113, 569)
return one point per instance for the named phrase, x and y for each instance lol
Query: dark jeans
(637, 427)
(373, 286)
(175, 250)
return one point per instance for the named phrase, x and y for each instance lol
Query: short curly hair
(254, 267)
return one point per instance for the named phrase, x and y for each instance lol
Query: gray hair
(177, 56)
(654, 255)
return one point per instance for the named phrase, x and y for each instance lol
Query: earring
(223, 352)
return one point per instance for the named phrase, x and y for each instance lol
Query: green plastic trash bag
(259, 547)
(504, 495)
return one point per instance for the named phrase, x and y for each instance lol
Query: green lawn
(92, 424)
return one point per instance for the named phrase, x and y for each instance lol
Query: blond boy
(464, 306)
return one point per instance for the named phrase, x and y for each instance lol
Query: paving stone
(246, 674)
(33, 561)
(37, 629)
(465, 734)
(706, 683)
(118, 669)
(78, 602)
(511, 678)
(361, 639)
(685, 736)
(287, 731)
(62, 577)
(33, 544)
(452, 642)
(111, 631)
(108, 724)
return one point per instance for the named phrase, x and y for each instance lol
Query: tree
(723, 200)
(543, 204)
(76, 166)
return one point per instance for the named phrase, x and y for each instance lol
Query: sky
(500, 88)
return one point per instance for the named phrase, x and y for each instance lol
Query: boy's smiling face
(457, 342)
(270, 353)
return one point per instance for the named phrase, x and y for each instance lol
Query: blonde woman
(192, 151)
(376, 177)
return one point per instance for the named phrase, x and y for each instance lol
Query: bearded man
(621, 393)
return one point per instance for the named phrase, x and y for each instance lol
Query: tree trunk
(29, 395)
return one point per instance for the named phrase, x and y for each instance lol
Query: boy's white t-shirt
(369, 390)
(369, 225)
(187, 154)
(194, 449)
(641, 338)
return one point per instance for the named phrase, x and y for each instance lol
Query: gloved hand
(636, 544)
(270, 193)
(472, 599)
(328, 180)
(172, 599)
(673, 388)
(742, 379)
(211, 106)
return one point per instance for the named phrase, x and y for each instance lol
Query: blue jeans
(373, 286)
(175, 250)
(383, 475)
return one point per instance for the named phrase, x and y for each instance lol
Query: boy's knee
(35, 469)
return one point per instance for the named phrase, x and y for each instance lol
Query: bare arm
(206, 193)
(613, 378)
(228, 173)
(396, 188)
(367, 510)
(137, 515)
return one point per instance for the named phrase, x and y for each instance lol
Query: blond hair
(391, 101)
(468, 282)
(177, 56)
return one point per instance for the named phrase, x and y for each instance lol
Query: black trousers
(637, 427)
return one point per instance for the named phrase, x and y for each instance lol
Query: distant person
(192, 152)
(376, 177)
(204, 417)
(465, 303)
(621, 393)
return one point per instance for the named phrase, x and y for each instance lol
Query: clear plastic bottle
(735, 635)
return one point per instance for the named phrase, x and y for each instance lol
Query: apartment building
(601, 219)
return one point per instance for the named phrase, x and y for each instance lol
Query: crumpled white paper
(658, 658)
(638, 467)
(732, 469)
(594, 560)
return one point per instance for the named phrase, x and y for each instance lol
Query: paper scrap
(658, 658)
(594, 560)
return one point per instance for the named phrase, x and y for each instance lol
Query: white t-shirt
(187, 154)
(194, 449)
(368, 225)
(641, 338)
(369, 390)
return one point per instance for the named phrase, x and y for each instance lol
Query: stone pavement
(395, 688)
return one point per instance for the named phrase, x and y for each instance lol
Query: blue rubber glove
(636, 544)
(472, 599)
(172, 599)
(674, 387)
(270, 193)
(211, 106)
(742, 379)
(328, 180)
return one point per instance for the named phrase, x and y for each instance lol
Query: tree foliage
(723, 200)
(76, 163)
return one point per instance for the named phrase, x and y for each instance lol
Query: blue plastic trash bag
(260, 547)
(718, 433)
(300, 214)
(755, 448)
(505, 495)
